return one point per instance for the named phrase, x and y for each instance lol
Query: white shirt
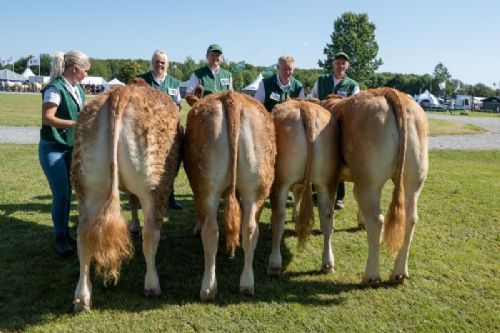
(194, 81)
(52, 95)
(314, 91)
(260, 95)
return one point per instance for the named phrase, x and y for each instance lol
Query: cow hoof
(247, 290)
(152, 293)
(399, 279)
(273, 271)
(81, 306)
(208, 295)
(325, 269)
(370, 282)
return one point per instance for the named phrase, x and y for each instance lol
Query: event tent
(251, 89)
(95, 80)
(113, 82)
(427, 95)
(8, 75)
(27, 73)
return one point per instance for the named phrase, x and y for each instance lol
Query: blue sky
(413, 36)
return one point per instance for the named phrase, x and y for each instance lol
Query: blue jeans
(55, 160)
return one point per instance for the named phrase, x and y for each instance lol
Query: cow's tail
(107, 237)
(305, 215)
(395, 224)
(232, 211)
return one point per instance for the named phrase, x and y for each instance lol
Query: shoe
(172, 204)
(338, 205)
(62, 246)
(71, 240)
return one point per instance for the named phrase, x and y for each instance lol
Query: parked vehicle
(428, 105)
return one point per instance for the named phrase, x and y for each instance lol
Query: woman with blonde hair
(62, 100)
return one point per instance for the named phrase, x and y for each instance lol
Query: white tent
(96, 80)
(251, 89)
(113, 82)
(27, 73)
(427, 95)
(8, 75)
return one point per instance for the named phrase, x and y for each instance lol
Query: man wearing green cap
(340, 84)
(211, 77)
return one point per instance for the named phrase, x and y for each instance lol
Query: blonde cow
(229, 151)
(384, 135)
(307, 153)
(126, 139)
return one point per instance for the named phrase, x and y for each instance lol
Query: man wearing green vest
(211, 77)
(340, 84)
(275, 89)
(158, 78)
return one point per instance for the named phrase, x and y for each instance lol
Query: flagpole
(39, 62)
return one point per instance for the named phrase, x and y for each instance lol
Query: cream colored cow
(229, 151)
(126, 138)
(384, 136)
(307, 153)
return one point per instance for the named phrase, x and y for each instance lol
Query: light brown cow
(384, 135)
(126, 138)
(307, 152)
(229, 150)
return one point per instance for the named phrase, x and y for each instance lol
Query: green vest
(275, 95)
(211, 84)
(169, 86)
(68, 109)
(325, 86)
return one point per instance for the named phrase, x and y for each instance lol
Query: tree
(129, 70)
(354, 34)
(440, 75)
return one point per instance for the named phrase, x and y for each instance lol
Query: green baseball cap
(214, 48)
(341, 54)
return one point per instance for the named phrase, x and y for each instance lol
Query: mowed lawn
(454, 266)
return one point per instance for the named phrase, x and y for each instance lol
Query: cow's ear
(191, 99)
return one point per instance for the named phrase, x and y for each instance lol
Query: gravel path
(489, 140)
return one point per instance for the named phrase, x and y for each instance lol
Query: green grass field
(454, 266)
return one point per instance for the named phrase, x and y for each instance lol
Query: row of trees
(352, 33)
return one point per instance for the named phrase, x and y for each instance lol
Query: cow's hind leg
(150, 239)
(83, 291)
(369, 203)
(278, 203)
(400, 273)
(89, 210)
(210, 241)
(325, 207)
(249, 236)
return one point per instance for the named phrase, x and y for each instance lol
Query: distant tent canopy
(427, 95)
(8, 75)
(27, 73)
(113, 82)
(252, 88)
(95, 80)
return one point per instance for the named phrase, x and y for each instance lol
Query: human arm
(51, 101)
(49, 117)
